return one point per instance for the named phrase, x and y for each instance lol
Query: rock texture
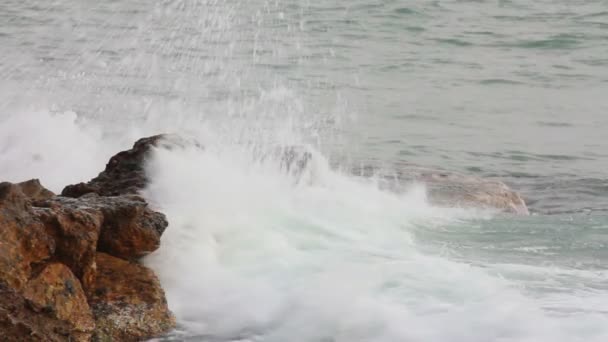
(68, 265)
(127, 227)
(127, 310)
(59, 304)
(23, 239)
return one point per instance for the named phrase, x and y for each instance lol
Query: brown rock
(33, 190)
(50, 260)
(57, 294)
(23, 240)
(126, 226)
(124, 173)
(75, 227)
(128, 302)
(51, 307)
(130, 228)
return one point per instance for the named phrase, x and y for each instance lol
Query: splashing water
(253, 254)
(256, 251)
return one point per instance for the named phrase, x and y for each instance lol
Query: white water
(254, 253)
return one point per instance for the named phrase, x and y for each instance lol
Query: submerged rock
(294, 159)
(128, 301)
(467, 191)
(452, 189)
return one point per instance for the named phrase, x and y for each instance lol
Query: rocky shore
(69, 267)
(69, 263)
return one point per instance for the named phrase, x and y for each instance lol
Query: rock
(130, 228)
(467, 191)
(33, 190)
(55, 284)
(453, 189)
(39, 301)
(128, 302)
(24, 242)
(58, 296)
(127, 227)
(75, 227)
(124, 173)
(51, 307)
(294, 159)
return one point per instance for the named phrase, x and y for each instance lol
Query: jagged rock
(75, 228)
(51, 307)
(38, 301)
(23, 240)
(128, 228)
(128, 302)
(50, 260)
(57, 296)
(33, 190)
(124, 173)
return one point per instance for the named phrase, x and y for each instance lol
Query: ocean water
(255, 251)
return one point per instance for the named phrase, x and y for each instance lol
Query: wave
(261, 247)
(255, 253)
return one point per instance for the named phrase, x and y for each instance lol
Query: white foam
(59, 148)
(252, 255)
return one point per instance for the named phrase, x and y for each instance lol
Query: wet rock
(39, 300)
(51, 307)
(452, 189)
(124, 173)
(467, 191)
(126, 226)
(128, 302)
(57, 295)
(294, 159)
(130, 228)
(55, 285)
(75, 228)
(24, 242)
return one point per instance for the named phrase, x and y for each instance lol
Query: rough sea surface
(512, 90)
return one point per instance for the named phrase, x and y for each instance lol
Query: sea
(509, 90)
